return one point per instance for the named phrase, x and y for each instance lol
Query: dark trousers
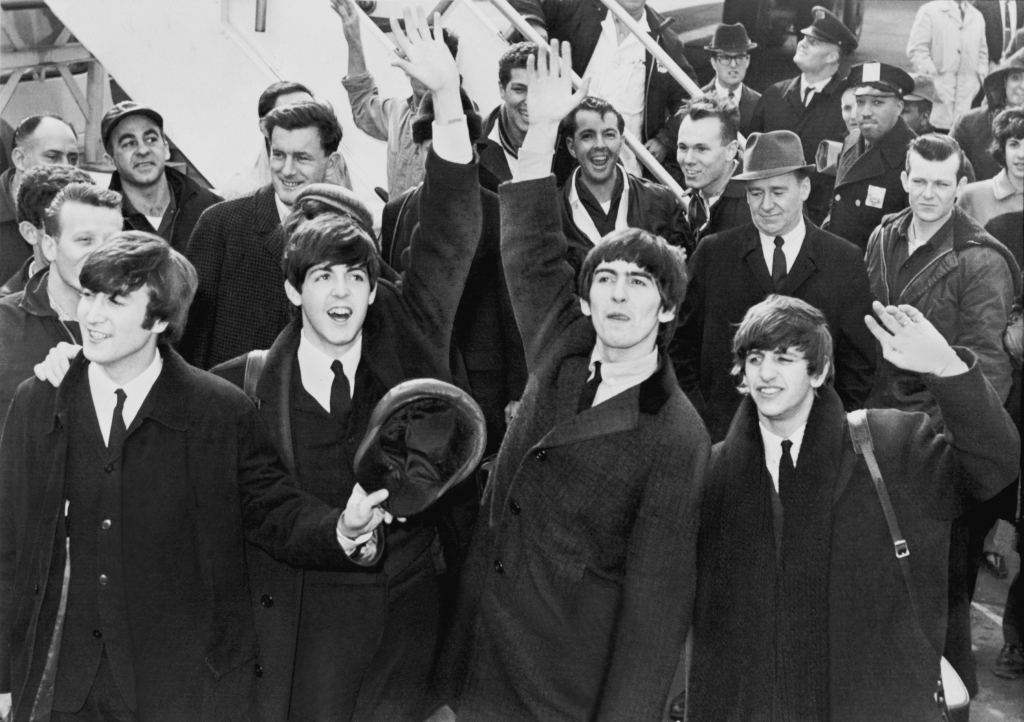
(367, 652)
(104, 702)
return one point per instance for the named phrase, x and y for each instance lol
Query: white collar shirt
(315, 369)
(733, 95)
(621, 376)
(282, 209)
(815, 87)
(773, 450)
(104, 398)
(794, 240)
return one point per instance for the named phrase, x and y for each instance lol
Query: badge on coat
(661, 68)
(876, 196)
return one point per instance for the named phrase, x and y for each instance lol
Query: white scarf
(582, 218)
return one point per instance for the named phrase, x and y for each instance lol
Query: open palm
(426, 57)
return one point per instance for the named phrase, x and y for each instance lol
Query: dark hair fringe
(714, 106)
(515, 57)
(296, 116)
(936, 147)
(594, 104)
(274, 91)
(88, 194)
(1009, 123)
(327, 238)
(40, 185)
(779, 323)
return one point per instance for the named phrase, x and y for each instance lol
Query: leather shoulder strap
(254, 364)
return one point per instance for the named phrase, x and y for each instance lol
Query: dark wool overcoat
(868, 184)
(240, 305)
(883, 664)
(782, 108)
(405, 336)
(214, 471)
(578, 588)
(728, 275)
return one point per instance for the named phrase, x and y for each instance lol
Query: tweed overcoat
(868, 184)
(782, 108)
(728, 275)
(578, 588)
(240, 305)
(883, 664)
(231, 484)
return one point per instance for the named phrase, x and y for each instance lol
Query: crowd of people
(207, 454)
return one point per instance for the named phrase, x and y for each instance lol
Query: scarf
(505, 138)
(581, 216)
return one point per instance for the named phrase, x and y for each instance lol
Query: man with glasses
(730, 57)
(809, 104)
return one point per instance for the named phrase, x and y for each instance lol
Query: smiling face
(781, 387)
(876, 114)
(932, 186)
(814, 55)
(297, 159)
(334, 301)
(626, 309)
(777, 204)
(513, 95)
(703, 156)
(1014, 150)
(596, 144)
(139, 151)
(113, 335)
(83, 229)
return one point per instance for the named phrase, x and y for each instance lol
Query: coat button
(259, 670)
(838, 196)
(499, 567)
(539, 454)
(105, 524)
(103, 579)
(857, 203)
(97, 633)
(109, 468)
(514, 508)
(36, 590)
(267, 601)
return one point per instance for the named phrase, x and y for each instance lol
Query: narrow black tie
(590, 389)
(117, 428)
(787, 472)
(697, 214)
(807, 96)
(778, 263)
(341, 396)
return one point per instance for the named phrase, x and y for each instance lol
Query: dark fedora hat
(770, 154)
(995, 82)
(828, 27)
(424, 437)
(730, 39)
(342, 200)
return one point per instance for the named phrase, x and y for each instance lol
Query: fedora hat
(424, 437)
(924, 88)
(730, 39)
(770, 154)
(995, 82)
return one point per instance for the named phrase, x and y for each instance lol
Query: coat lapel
(946, 262)
(267, 222)
(750, 251)
(805, 263)
(617, 414)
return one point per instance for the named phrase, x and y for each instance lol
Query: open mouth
(290, 184)
(620, 317)
(339, 315)
(97, 336)
(769, 392)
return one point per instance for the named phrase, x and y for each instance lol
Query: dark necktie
(787, 472)
(807, 96)
(590, 390)
(341, 395)
(697, 214)
(117, 428)
(778, 263)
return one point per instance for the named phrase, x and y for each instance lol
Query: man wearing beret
(868, 184)
(782, 252)
(359, 644)
(810, 104)
(155, 197)
(730, 57)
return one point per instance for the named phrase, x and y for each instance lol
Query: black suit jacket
(728, 275)
(748, 101)
(991, 10)
(240, 305)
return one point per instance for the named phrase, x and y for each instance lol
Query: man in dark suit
(810, 104)
(622, 71)
(706, 151)
(1003, 18)
(730, 57)
(780, 252)
(868, 183)
(793, 529)
(125, 495)
(236, 246)
(577, 592)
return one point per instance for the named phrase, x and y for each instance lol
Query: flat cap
(924, 88)
(882, 77)
(342, 200)
(126, 109)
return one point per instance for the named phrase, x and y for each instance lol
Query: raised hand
(349, 15)
(551, 97)
(426, 57)
(910, 341)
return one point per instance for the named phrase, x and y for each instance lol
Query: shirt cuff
(361, 547)
(535, 156)
(451, 141)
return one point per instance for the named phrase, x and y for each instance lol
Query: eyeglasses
(732, 60)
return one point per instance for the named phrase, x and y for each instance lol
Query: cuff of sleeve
(350, 82)
(451, 141)
(973, 367)
(352, 546)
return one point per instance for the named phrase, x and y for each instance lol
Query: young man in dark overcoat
(577, 591)
(803, 611)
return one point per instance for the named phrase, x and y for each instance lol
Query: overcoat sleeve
(856, 349)
(206, 252)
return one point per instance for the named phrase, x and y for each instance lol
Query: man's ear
(905, 180)
(158, 327)
(805, 188)
(108, 159)
(571, 145)
(732, 149)
(585, 306)
(18, 158)
(333, 161)
(30, 233)
(960, 185)
(819, 379)
(664, 316)
(293, 295)
(373, 293)
(49, 245)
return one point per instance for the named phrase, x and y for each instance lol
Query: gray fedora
(770, 154)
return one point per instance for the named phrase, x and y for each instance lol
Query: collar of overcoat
(791, 92)
(889, 153)
(267, 221)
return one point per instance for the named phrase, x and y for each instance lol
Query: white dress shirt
(793, 241)
(104, 399)
(315, 369)
(816, 87)
(622, 376)
(733, 95)
(773, 450)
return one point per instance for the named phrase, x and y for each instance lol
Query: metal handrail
(642, 154)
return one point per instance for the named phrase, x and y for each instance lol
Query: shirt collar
(795, 236)
(804, 85)
(282, 209)
(136, 389)
(625, 373)
(773, 442)
(315, 368)
(724, 92)
(608, 26)
(1002, 188)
